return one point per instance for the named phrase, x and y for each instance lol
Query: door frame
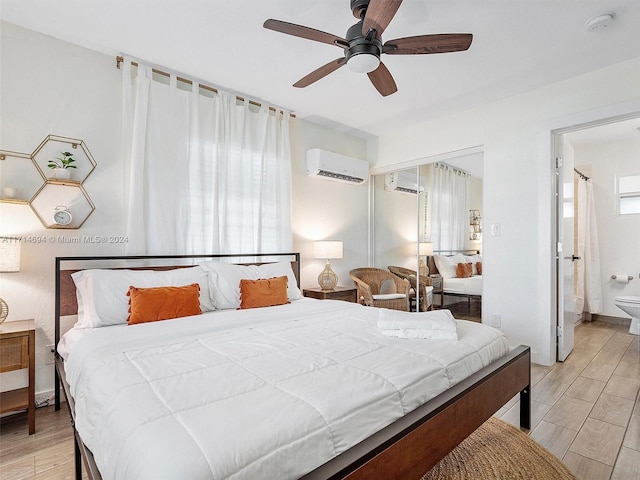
(582, 121)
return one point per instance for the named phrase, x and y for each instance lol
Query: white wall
(53, 87)
(517, 186)
(327, 210)
(618, 236)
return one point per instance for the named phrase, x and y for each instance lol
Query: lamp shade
(9, 254)
(327, 249)
(425, 248)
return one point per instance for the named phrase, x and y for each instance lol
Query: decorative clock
(62, 216)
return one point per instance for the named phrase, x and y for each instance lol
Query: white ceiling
(518, 45)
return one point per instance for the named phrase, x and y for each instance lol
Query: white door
(565, 258)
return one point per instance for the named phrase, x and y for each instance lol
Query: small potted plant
(61, 166)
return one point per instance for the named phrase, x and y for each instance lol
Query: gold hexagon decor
(20, 179)
(63, 159)
(56, 196)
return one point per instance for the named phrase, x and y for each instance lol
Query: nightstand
(347, 294)
(18, 351)
(436, 283)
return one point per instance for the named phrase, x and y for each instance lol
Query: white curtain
(449, 198)
(588, 279)
(205, 175)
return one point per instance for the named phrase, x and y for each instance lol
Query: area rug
(499, 451)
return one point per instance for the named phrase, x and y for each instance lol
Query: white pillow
(102, 294)
(447, 264)
(225, 279)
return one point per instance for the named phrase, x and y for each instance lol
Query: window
(628, 188)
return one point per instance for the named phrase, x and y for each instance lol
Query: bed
(461, 273)
(342, 400)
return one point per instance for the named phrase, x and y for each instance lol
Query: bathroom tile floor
(586, 410)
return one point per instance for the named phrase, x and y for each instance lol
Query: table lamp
(9, 262)
(424, 249)
(327, 249)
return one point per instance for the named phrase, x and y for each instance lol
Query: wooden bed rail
(412, 445)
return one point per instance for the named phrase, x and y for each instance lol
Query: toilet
(630, 305)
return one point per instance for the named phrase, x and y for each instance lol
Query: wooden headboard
(431, 262)
(65, 296)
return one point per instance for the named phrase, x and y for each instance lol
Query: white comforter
(264, 393)
(463, 286)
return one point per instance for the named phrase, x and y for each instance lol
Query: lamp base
(327, 278)
(422, 268)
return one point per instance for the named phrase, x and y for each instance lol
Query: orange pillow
(464, 270)
(479, 267)
(266, 292)
(163, 303)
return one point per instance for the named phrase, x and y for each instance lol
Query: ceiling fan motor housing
(358, 44)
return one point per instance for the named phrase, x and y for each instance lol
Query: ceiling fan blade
(305, 32)
(379, 15)
(382, 80)
(424, 44)
(321, 72)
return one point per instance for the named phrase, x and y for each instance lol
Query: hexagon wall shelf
(55, 194)
(20, 179)
(53, 147)
(28, 179)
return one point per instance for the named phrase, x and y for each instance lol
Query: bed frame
(405, 449)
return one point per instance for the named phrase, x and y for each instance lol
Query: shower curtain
(588, 279)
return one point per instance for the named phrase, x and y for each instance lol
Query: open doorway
(593, 241)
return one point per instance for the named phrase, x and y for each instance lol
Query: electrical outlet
(48, 354)
(496, 321)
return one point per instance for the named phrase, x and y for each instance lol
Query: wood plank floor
(45, 455)
(586, 411)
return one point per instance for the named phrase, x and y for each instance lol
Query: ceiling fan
(363, 43)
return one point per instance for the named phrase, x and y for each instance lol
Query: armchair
(380, 288)
(426, 300)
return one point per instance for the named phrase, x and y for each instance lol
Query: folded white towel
(421, 333)
(433, 324)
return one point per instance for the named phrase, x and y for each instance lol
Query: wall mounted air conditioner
(403, 181)
(334, 166)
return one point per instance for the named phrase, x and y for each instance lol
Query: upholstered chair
(426, 290)
(380, 288)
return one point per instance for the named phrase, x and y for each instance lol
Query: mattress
(463, 286)
(264, 393)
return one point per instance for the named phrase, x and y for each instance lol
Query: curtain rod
(120, 59)
(582, 175)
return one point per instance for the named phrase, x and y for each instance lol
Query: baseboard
(596, 317)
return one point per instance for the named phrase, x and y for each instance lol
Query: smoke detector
(599, 22)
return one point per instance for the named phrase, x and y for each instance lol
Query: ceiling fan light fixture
(363, 63)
